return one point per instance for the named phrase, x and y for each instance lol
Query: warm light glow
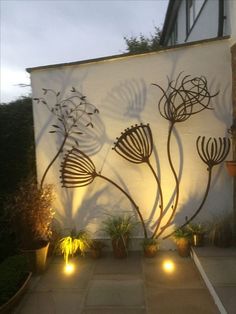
(168, 266)
(69, 269)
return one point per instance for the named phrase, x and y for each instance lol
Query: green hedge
(12, 274)
(17, 160)
(17, 157)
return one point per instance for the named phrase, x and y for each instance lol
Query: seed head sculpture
(183, 98)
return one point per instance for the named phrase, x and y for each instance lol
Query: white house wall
(206, 25)
(123, 92)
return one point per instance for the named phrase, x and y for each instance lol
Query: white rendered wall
(122, 91)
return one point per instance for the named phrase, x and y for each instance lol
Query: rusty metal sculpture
(72, 114)
(182, 99)
(78, 170)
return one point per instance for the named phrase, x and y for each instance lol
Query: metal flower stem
(130, 199)
(199, 208)
(174, 207)
(53, 160)
(161, 200)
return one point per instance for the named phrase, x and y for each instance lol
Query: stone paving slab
(218, 266)
(228, 296)
(180, 301)
(115, 311)
(220, 270)
(115, 293)
(51, 302)
(131, 265)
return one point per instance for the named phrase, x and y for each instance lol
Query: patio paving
(218, 267)
(135, 285)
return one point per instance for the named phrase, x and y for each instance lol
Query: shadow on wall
(127, 100)
(209, 210)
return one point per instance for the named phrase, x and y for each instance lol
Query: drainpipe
(221, 18)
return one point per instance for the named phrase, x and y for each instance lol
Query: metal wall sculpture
(72, 114)
(183, 98)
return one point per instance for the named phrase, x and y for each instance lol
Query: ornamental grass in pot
(150, 247)
(198, 232)
(221, 231)
(182, 238)
(119, 229)
(31, 217)
(96, 248)
(76, 242)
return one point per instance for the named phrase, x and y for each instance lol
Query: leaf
(78, 132)
(77, 143)
(83, 97)
(60, 119)
(90, 113)
(58, 93)
(73, 90)
(52, 131)
(44, 91)
(56, 126)
(44, 102)
(35, 98)
(96, 110)
(89, 124)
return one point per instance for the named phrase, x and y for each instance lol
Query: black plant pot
(37, 258)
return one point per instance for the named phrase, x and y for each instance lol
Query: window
(193, 9)
(174, 35)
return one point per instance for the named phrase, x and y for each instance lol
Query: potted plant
(76, 242)
(119, 230)
(221, 232)
(197, 233)
(150, 247)
(182, 237)
(31, 217)
(96, 248)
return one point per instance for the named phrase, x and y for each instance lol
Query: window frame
(195, 16)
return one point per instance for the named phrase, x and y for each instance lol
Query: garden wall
(121, 88)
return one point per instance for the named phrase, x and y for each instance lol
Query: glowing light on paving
(168, 266)
(69, 269)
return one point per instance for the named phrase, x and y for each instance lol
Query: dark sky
(35, 33)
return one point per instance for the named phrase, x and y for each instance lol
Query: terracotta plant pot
(37, 258)
(231, 167)
(183, 247)
(120, 248)
(14, 300)
(150, 250)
